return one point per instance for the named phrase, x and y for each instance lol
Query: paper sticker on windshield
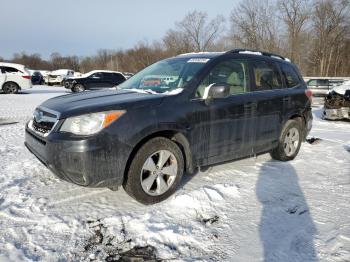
(198, 60)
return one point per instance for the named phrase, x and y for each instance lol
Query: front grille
(43, 121)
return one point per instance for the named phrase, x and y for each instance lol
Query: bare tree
(295, 14)
(177, 42)
(331, 29)
(195, 32)
(254, 25)
(32, 61)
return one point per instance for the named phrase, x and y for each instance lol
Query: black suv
(94, 80)
(37, 78)
(176, 115)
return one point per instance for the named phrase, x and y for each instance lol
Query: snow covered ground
(248, 210)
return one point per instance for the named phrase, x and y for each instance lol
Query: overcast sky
(78, 27)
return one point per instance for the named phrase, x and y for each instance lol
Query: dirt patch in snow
(103, 246)
(347, 148)
(313, 140)
(210, 220)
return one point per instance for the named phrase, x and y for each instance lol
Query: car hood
(98, 101)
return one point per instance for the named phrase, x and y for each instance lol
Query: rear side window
(96, 75)
(7, 69)
(266, 76)
(322, 82)
(106, 75)
(290, 76)
(118, 77)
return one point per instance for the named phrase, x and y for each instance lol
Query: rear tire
(289, 142)
(10, 88)
(155, 171)
(78, 88)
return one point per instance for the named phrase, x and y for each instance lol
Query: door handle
(286, 99)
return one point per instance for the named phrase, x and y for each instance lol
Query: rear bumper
(25, 84)
(92, 161)
(319, 91)
(308, 122)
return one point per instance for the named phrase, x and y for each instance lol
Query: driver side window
(233, 73)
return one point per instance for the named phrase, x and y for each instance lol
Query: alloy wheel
(159, 173)
(10, 88)
(291, 141)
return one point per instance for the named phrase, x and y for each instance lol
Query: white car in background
(14, 77)
(56, 77)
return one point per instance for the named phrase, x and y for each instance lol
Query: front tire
(155, 171)
(10, 88)
(289, 142)
(78, 88)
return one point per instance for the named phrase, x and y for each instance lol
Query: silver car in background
(322, 86)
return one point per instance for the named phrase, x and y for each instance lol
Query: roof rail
(241, 50)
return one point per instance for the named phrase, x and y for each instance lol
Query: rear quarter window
(290, 75)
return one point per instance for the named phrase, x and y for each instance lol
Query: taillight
(26, 77)
(308, 93)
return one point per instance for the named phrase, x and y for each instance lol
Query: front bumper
(96, 161)
(337, 114)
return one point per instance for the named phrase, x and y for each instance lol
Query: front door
(229, 121)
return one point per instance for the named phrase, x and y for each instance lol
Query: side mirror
(220, 90)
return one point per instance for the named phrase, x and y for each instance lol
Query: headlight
(90, 124)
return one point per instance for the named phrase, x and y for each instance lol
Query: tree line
(314, 34)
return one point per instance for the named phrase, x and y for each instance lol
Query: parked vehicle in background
(15, 77)
(45, 74)
(337, 103)
(77, 74)
(94, 80)
(219, 107)
(37, 78)
(321, 86)
(56, 77)
(2, 78)
(127, 75)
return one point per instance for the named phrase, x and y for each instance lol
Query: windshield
(166, 75)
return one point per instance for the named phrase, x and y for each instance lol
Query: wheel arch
(176, 136)
(301, 118)
(10, 81)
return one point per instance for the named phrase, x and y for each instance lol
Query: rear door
(117, 79)
(295, 89)
(107, 80)
(95, 81)
(270, 95)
